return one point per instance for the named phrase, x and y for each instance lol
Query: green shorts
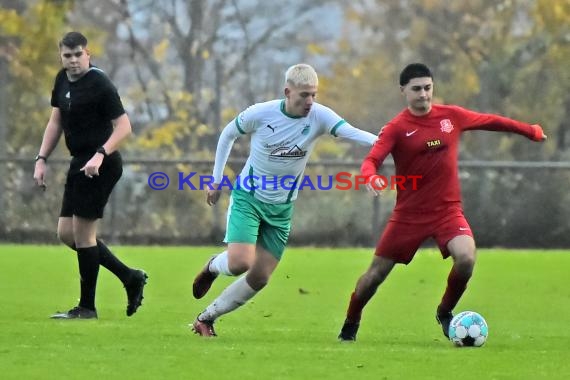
(254, 222)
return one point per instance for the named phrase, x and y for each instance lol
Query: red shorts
(400, 240)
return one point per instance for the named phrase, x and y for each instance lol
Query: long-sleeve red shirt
(427, 146)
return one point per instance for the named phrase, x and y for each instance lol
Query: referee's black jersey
(87, 107)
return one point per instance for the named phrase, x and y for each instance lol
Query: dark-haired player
(423, 140)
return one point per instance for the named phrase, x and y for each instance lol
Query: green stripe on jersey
(292, 191)
(251, 181)
(333, 131)
(239, 128)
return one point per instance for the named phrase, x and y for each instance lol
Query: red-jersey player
(423, 140)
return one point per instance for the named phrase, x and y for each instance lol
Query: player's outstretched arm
(347, 131)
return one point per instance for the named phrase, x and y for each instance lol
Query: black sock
(88, 259)
(112, 263)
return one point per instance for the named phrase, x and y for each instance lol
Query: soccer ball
(468, 328)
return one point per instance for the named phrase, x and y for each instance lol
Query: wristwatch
(38, 157)
(102, 151)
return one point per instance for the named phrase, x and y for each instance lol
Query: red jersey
(427, 146)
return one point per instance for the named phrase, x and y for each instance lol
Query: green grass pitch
(289, 330)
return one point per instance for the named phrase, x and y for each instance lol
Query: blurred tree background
(184, 68)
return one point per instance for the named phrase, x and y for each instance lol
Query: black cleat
(78, 312)
(203, 281)
(134, 289)
(444, 319)
(348, 331)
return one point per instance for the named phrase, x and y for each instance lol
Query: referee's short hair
(72, 40)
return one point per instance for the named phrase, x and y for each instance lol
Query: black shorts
(86, 197)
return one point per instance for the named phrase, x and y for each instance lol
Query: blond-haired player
(283, 135)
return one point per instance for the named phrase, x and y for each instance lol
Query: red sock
(354, 312)
(456, 285)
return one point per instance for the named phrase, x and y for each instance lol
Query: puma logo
(270, 127)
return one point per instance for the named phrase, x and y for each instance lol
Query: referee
(87, 109)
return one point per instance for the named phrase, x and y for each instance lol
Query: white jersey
(280, 147)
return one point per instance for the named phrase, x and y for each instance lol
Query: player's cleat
(134, 289)
(444, 319)
(77, 312)
(204, 328)
(348, 331)
(203, 281)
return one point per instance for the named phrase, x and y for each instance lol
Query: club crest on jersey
(446, 125)
(285, 152)
(306, 129)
